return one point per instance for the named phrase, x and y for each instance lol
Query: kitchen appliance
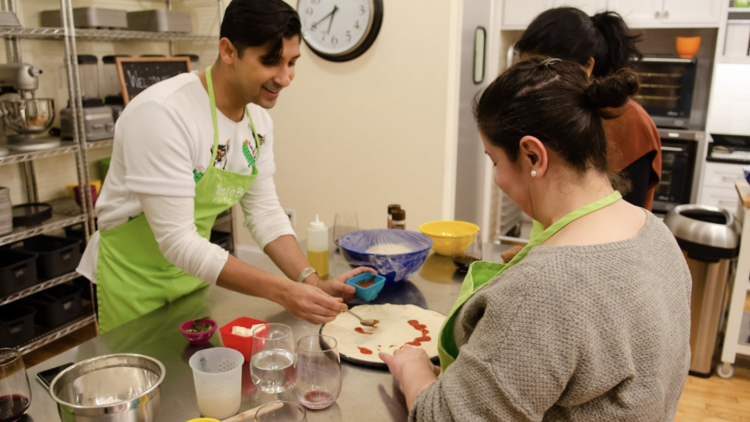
(22, 114)
(709, 240)
(112, 388)
(99, 123)
(682, 162)
(112, 89)
(674, 91)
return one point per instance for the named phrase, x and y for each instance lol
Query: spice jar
(398, 219)
(391, 208)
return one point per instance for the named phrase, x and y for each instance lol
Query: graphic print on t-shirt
(221, 155)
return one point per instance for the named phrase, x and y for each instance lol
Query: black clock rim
(377, 22)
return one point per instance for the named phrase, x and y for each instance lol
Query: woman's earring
(533, 173)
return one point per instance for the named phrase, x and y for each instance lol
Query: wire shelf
(65, 212)
(35, 155)
(38, 288)
(103, 35)
(100, 144)
(57, 333)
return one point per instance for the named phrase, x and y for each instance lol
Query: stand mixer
(22, 114)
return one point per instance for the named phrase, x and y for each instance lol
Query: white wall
(380, 129)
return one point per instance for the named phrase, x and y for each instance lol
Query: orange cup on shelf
(687, 47)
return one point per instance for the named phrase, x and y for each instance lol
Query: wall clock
(340, 30)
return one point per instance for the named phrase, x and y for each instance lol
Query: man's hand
(311, 303)
(337, 286)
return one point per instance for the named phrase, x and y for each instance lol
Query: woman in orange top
(603, 44)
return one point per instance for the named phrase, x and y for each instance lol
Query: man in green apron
(186, 150)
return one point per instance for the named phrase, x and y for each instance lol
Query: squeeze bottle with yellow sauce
(317, 247)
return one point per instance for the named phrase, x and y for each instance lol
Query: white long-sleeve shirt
(163, 143)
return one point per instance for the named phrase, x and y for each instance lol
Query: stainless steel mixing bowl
(111, 388)
(28, 117)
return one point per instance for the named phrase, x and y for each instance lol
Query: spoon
(246, 415)
(365, 322)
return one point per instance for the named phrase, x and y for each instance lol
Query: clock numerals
(315, 2)
(362, 10)
(334, 41)
(323, 38)
(314, 27)
(309, 11)
(348, 36)
(356, 25)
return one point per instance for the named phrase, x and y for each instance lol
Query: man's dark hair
(256, 23)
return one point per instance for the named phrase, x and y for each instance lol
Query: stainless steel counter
(367, 394)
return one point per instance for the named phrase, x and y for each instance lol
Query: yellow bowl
(443, 235)
(204, 420)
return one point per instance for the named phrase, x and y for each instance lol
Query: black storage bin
(16, 324)
(222, 239)
(57, 255)
(56, 306)
(17, 271)
(84, 284)
(77, 232)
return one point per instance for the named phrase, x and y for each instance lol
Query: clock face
(340, 30)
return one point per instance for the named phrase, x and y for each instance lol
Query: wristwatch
(305, 273)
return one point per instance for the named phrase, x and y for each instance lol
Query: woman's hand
(412, 367)
(337, 286)
(311, 303)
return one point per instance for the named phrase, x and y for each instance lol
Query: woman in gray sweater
(590, 322)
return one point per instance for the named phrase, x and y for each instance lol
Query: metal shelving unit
(104, 35)
(100, 144)
(65, 213)
(38, 288)
(48, 337)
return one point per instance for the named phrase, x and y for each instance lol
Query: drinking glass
(281, 411)
(15, 392)
(217, 373)
(345, 222)
(318, 367)
(467, 248)
(272, 358)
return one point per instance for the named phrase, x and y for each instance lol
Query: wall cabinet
(637, 13)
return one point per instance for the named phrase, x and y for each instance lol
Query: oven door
(678, 169)
(666, 89)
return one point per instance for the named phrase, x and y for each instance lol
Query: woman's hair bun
(612, 90)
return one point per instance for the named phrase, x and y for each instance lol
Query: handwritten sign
(138, 73)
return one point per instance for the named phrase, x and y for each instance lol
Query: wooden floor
(703, 400)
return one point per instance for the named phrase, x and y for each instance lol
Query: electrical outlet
(292, 214)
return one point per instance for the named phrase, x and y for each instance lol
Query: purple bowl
(201, 338)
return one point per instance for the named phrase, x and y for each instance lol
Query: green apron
(133, 277)
(482, 272)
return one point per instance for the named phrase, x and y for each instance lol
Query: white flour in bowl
(389, 249)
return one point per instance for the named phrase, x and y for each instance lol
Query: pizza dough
(398, 325)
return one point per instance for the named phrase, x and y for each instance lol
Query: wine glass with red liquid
(15, 392)
(467, 248)
(318, 367)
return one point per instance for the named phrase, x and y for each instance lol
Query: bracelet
(305, 273)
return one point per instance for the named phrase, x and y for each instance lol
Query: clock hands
(330, 15)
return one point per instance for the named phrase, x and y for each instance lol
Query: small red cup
(239, 343)
(77, 193)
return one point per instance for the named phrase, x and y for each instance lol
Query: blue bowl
(746, 170)
(396, 268)
(367, 293)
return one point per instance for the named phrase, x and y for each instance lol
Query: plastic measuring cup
(217, 373)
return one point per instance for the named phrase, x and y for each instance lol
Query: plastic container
(57, 255)
(17, 271)
(222, 239)
(370, 292)
(88, 17)
(16, 324)
(77, 232)
(239, 343)
(317, 246)
(217, 373)
(84, 284)
(161, 20)
(56, 306)
(199, 338)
